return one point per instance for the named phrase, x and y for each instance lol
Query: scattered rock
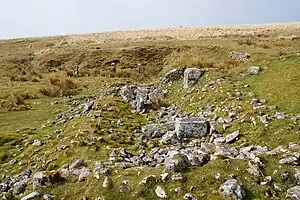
(160, 192)
(189, 196)
(49, 196)
(106, 183)
(253, 70)
(37, 142)
(239, 56)
(175, 162)
(232, 137)
(19, 187)
(164, 177)
(124, 187)
(232, 189)
(33, 195)
(279, 115)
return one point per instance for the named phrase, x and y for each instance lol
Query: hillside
(213, 114)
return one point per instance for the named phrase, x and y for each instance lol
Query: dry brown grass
(159, 102)
(248, 40)
(188, 33)
(16, 102)
(59, 87)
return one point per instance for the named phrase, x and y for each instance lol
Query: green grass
(278, 83)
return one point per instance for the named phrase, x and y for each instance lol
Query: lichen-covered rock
(191, 76)
(253, 70)
(127, 92)
(187, 128)
(232, 189)
(175, 162)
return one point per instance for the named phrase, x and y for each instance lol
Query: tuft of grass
(16, 102)
(159, 102)
(59, 87)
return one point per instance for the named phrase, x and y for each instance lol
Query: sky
(31, 18)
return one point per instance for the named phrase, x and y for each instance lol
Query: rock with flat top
(191, 76)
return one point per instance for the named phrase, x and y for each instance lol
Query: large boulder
(191, 76)
(231, 188)
(175, 162)
(174, 75)
(187, 128)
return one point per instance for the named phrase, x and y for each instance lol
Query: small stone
(164, 177)
(218, 175)
(279, 115)
(266, 181)
(49, 197)
(124, 187)
(12, 162)
(160, 192)
(189, 196)
(106, 183)
(179, 190)
(78, 163)
(289, 160)
(30, 196)
(37, 142)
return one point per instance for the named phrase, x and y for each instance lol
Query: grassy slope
(278, 83)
